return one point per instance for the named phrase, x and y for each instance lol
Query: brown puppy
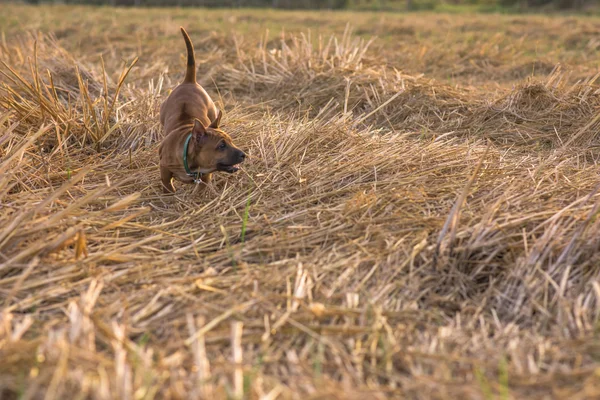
(193, 147)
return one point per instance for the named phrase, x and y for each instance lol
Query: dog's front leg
(206, 178)
(165, 177)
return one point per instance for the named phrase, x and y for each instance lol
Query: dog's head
(213, 150)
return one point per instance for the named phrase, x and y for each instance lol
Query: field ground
(418, 217)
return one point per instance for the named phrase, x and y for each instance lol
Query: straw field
(418, 217)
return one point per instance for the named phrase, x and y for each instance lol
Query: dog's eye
(221, 146)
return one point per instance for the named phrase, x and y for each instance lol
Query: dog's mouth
(228, 168)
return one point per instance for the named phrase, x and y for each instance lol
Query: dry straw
(390, 236)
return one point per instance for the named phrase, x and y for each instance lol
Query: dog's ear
(215, 124)
(199, 131)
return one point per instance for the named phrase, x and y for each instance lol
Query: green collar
(195, 175)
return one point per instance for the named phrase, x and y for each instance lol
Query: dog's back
(186, 103)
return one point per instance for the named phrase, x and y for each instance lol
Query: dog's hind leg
(165, 177)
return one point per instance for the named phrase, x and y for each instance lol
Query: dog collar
(195, 175)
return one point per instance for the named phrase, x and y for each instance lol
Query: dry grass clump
(376, 244)
(550, 113)
(335, 73)
(51, 87)
(62, 95)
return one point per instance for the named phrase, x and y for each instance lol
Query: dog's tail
(190, 72)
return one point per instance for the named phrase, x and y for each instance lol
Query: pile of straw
(390, 236)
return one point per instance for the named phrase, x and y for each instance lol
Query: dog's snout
(241, 155)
